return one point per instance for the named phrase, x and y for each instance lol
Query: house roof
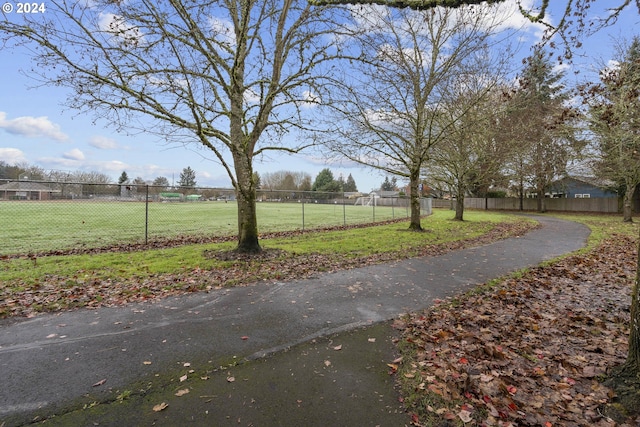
(596, 182)
(26, 186)
(383, 193)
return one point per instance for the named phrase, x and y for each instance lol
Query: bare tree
(473, 152)
(287, 180)
(232, 75)
(628, 380)
(573, 23)
(614, 118)
(408, 64)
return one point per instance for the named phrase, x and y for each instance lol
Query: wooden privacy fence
(599, 205)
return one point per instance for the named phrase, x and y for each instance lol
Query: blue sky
(36, 129)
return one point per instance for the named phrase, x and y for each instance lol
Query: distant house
(385, 194)
(26, 190)
(582, 187)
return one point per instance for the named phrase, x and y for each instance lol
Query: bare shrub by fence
(596, 205)
(47, 216)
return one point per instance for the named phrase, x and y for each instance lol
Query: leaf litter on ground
(55, 293)
(530, 351)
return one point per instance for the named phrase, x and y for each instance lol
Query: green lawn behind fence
(33, 226)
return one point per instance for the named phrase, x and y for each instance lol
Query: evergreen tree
(350, 185)
(187, 178)
(542, 123)
(124, 178)
(389, 184)
(325, 182)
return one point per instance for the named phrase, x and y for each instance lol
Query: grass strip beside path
(29, 286)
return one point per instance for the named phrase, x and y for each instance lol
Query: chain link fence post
(146, 215)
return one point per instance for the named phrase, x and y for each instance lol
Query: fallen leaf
(183, 378)
(244, 338)
(231, 379)
(146, 362)
(465, 416)
(371, 340)
(186, 364)
(327, 363)
(99, 383)
(338, 347)
(182, 392)
(160, 407)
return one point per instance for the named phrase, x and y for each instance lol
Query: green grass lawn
(351, 243)
(44, 226)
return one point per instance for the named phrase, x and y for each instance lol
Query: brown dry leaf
(231, 379)
(160, 407)
(99, 383)
(371, 340)
(146, 362)
(183, 378)
(327, 363)
(338, 347)
(182, 392)
(527, 351)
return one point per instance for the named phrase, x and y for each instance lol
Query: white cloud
(509, 17)
(111, 165)
(613, 64)
(561, 68)
(310, 99)
(120, 30)
(223, 31)
(103, 143)
(74, 154)
(32, 127)
(370, 17)
(12, 155)
(251, 97)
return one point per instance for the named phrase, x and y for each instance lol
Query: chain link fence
(44, 216)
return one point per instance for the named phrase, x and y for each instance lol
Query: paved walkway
(334, 372)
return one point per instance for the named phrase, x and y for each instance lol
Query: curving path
(52, 361)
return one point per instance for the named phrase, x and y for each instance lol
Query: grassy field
(46, 283)
(342, 244)
(43, 226)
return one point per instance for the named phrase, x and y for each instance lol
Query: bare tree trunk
(541, 202)
(627, 204)
(459, 204)
(414, 196)
(521, 195)
(247, 217)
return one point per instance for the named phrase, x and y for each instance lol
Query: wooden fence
(600, 205)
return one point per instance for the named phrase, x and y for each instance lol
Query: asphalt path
(52, 361)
